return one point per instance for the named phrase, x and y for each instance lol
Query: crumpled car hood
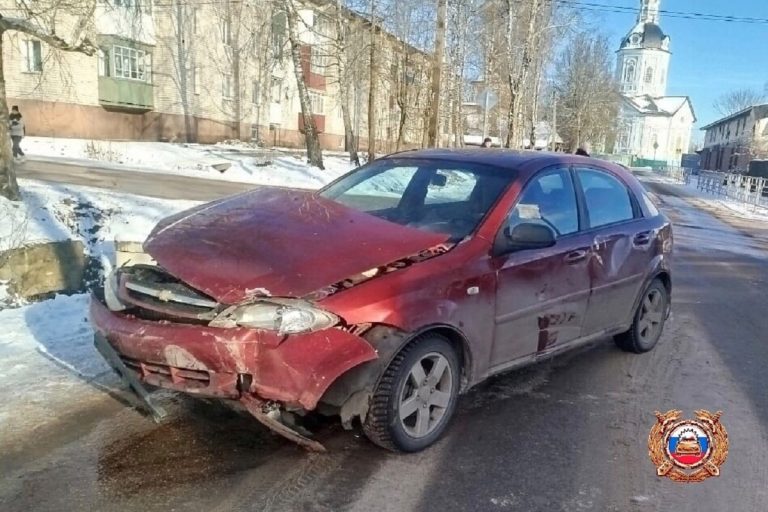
(284, 243)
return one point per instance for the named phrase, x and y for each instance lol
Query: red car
(389, 292)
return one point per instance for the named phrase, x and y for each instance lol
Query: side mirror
(529, 236)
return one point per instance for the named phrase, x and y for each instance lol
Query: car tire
(433, 401)
(648, 321)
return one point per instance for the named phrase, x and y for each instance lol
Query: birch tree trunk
(517, 78)
(9, 187)
(373, 88)
(314, 153)
(341, 60)
(437, 72)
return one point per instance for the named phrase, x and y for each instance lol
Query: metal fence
(748, 190)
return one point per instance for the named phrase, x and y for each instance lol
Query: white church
(652, 125)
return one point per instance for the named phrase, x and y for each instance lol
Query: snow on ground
(47, 360)
(49, 369)
(53, 212)
(247, 164)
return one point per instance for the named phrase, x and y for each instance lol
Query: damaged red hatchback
(386, 294)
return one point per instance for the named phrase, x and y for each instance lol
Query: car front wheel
(416, 396)
(648, 323)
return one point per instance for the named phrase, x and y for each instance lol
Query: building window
(131, 64)
(322, 25)
(128, 4)
(104, 65)
(317, 102)
(279, 24)
(33, 56)
(318, 60)
(255, 99)
(629, 71)
(226, 86)
(277, 89)
(196, 80)
(649, 75)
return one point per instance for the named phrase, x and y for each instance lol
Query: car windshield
(438, 196)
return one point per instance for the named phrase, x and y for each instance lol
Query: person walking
(17, 131)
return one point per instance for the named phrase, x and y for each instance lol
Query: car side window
(548, 199)
(607, 199)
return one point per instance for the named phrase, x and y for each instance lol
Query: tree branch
(20, 25)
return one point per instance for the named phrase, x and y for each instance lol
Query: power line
(692, 15)
(584, 5)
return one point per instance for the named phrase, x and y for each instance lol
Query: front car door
(621, 245)
(542, 294)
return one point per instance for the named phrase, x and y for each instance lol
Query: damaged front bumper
(254, 367)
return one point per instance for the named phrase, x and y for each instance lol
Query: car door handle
(643, 238)
(576, 256)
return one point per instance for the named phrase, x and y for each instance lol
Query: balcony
(130, 95)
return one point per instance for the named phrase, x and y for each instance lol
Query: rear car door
(621, 247)
(542, 294)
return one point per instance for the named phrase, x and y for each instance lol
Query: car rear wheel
(415, 397)
(648, 323)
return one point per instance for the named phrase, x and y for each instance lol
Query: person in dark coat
(17, 130)
(487, 143)
(582, 150)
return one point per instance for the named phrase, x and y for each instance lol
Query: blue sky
(708, 57)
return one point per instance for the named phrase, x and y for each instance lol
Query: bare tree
(588, 94)
(433, 133)
(373, 83)
(39, 21)
(341, 50)
(740, 99)
(525, 22)
(314, 153)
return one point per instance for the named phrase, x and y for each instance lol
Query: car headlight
(283, 316)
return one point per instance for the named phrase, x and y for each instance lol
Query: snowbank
(53, 212)
(246, 164)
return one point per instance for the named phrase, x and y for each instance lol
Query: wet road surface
(566, 435)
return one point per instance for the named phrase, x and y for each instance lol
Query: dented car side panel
(295, 371)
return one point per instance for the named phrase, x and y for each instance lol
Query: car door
(621, 245)
(542, 294)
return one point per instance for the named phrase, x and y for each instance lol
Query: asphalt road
(566, 435)
(144, 183)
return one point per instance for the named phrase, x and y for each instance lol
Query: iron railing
(748, 190)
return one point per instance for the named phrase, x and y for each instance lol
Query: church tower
(643, 57)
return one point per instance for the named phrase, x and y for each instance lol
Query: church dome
(645, 35)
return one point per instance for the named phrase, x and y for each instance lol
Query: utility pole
(553, 126)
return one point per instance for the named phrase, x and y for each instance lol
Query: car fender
(351, 393)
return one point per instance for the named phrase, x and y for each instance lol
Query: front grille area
(153, 294)
(159, 374)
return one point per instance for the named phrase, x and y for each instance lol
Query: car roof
(504, 158)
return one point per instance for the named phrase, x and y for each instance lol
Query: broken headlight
(283, 316)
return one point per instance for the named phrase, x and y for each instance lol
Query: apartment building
(203, 71)
(732, 142)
